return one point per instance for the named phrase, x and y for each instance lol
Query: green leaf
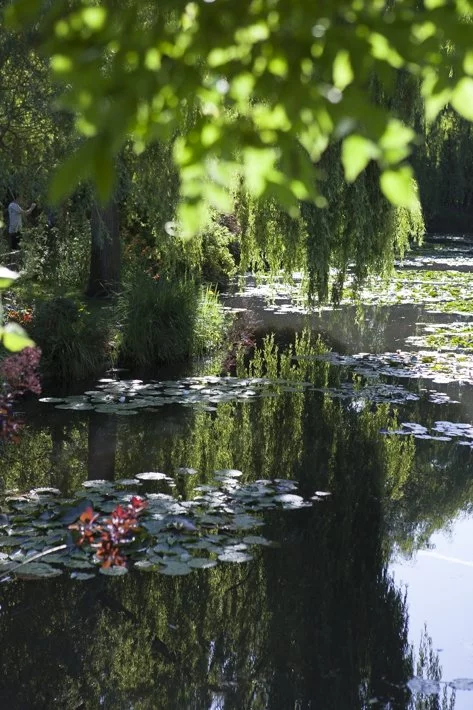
(462, 98)
(37, 570)
(399, 187)
(7, 277)
(15, 338)
(113, 571)
(76, 168)
(342, 70)
(357, 152)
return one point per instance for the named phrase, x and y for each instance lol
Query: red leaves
(107, 536)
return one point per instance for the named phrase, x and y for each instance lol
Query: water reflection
(317, 622)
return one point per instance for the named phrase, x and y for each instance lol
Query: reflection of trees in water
(427, 666)
(316, 623)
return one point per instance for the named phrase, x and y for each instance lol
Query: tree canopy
(254, 91)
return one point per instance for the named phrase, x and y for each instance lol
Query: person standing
(15, 223)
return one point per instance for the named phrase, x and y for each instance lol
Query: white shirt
(14, 217)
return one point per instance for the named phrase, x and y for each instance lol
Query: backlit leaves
(132, 70)
(399, 187)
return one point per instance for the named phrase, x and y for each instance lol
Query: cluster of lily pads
(128, 397)
(440, 368)
(441, 431)
(174, 537)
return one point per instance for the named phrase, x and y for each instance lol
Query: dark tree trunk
(102, 446)
(104, 279)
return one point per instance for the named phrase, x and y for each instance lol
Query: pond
(325, 487)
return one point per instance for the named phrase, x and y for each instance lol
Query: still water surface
(367, 590)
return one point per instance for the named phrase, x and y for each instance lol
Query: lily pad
(184, 471)
(36, 570)
(115, 571)
(152, 476)
(236, 556)
(82, 576)
(201, 563)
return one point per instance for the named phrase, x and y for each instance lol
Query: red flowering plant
(23, 316)
(18, 375)
(107, 536)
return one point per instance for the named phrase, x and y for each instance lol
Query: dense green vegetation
(267, 163)
(290, 155)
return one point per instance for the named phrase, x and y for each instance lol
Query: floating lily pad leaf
(152, 476)
(72, 514)
(36, 570)
(127, 482)
(176, 569)
(237, 556)
(45, 491)
(52, 400)
(76, 406)
(183, 471)
(202, 563)
(115, 571)
(82, 576)
(424, 686)
(146, 565)
(78, 564)
(154, 527)
(245, 522)
(290, 501)
(228, 473)
(3, 556)
(11, 541)
(256, 540)
(322, 494)
(462, 684)
(4, 520)
(98, 483)
(56, 558)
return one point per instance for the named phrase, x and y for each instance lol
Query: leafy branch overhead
(256, 89)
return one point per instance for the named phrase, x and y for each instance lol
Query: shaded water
(367, 590)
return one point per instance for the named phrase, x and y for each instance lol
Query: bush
(73, 340)
(163, 321)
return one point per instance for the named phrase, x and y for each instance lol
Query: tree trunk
(104, 278)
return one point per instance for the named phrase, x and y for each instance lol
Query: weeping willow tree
(444, 165)
(309, 106)
(357, 230)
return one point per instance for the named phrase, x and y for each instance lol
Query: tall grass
(74, 340)
(164, 321)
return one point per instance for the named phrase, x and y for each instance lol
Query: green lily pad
(114, 571)
(37, 570)
(152, 476)
(201, 563)
(228, 473)
(237, 556)
(256, 540)
(82, 576)
(183, 471)
(76, 406)
(146, 565)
